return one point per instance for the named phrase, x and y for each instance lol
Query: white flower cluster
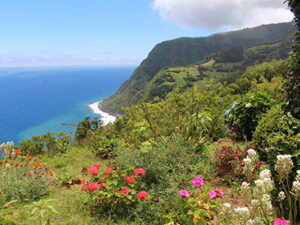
(281, 196)
(7, 150)
(255, 221)
(226, 212)
(296, 185)
(284, 166)
(246, 191)
(250, 163)
(243, 214)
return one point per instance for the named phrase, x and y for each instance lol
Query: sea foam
(106, 118)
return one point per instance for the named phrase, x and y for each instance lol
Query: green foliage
(277, 133)
(49, 143)
(42, 210)
(245, 114)
(188, 51)
(5, 221)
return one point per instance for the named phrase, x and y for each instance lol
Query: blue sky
(98, 32)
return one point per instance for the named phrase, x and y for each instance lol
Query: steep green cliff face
(257, 44)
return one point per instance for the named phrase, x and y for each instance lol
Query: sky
(117, 32)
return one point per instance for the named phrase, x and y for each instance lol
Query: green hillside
(190, 51)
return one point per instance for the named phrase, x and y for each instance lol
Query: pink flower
(217, 193)
(97, 165)
(220, 194)
(212, 195)
(184, 193)
(94, 170)
(193, 154)
(279, 221)
(177, 128)
(139, 171)
(198, 181)
(124, 191)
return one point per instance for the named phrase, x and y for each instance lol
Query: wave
(106, 118)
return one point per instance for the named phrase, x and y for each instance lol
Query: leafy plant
(245, 114)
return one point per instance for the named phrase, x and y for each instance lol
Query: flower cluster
(217, 193)
(296, 185)
(251, 164)
(279, 221)
(230, 161)
(8, 151)
(284, 166)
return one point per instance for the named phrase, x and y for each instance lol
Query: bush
(245, 114)
(114, 193)
(278, 133)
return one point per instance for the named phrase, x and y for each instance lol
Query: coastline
(105, 117)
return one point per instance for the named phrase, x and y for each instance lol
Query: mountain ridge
(187, 51)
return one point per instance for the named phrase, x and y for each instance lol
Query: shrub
(245, 114)
(277, 133)
(23, 179)
(114, 193)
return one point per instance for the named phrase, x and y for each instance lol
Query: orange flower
(51, 173)
(18, 152)
(28, 152)
(40, 156)
(29, 174)
(34, 167)
(28, 159)
(34, 159)
(36, 164)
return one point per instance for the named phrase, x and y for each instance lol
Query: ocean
(34, 101)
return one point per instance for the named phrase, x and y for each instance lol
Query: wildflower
(103, 185)
(234, 105)
(28, 159)
(28, 152)
(139, 171)
(284, 166)
(179, 166)
(41, 156)
(17, 163)
(265, 174)
(130, 180)
(142, 195)
(94, 170)
(184, 193)
(281, 196)
(177, 128)
(296, 188)
(193, 154)
(255, 221)
(36, 164)
(97, 165)
(279, 221)
(198, 181)
(219, 193)
(29, 174)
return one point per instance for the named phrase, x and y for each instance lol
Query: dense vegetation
(217, 153)
(258, 44)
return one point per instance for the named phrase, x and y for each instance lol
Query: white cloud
(224, 14)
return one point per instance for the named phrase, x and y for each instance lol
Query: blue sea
(34, 101)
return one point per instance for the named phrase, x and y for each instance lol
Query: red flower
(41, 156)
(97, 165)
(82, 182)
(29, 174)
(103, 185)
(94, 186)
(84, 187)
(193, 154)
(18, 152)
(109, 171)
(130, 180)
(124, 191)
(142, 195)
(1, 163)
(139, 171)
(94, 170)
(17, 163)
